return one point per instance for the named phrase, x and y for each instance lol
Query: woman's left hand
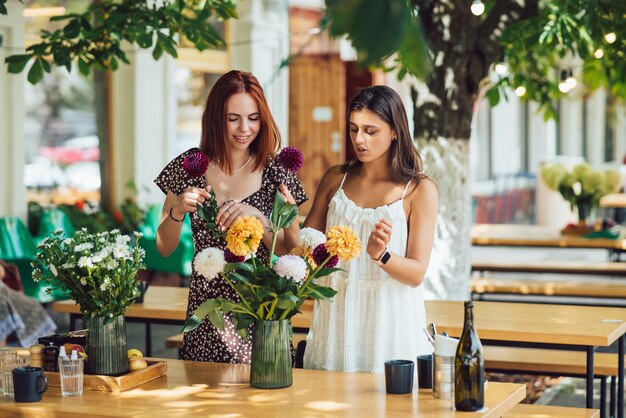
(231, 210)
(379, 238)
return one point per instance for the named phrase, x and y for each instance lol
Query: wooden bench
(548, 411)
(558, 267)
(584, 288)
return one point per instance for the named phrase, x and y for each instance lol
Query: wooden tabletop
(614, 200)
(170, 303)
(223, 390)
(537, 236)
(533, 323)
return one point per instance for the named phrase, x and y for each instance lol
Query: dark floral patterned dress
(207, 343)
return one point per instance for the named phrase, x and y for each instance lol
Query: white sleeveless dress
(373, 318)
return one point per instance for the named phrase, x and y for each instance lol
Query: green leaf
(326, 271)
(72, 29)
(83, 67)
(3, 8)
(321, 292)
(216, 319)
(157, 52)
(287, 301)
(16, 63)
(493, 94)
(239, 277)
(35, 74)
(191, 323)
(238, 266)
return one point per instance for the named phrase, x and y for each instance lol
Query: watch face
(385, 257)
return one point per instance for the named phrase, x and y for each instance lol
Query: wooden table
(537, 236)
(545, 326)
(614, 200)
(222, 390)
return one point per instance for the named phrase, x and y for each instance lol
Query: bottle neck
(469, 317)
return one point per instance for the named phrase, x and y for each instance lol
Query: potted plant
(582, 187)
(98, 271)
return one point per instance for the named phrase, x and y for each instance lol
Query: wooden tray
(122, 383)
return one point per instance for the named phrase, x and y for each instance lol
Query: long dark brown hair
(404, 159)
(213, 143)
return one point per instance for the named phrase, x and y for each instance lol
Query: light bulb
(599, 53)
(502, 69)
(571, 81)
(610, 37)
(477, 7)
(564, 87)
(520, 91)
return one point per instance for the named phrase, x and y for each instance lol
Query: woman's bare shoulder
(426, 191)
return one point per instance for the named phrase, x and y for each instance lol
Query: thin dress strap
(344, 179)
(406, 188)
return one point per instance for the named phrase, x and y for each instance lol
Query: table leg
(620, 379)
(603, 397)
(613, 396)
(589, 388)
(148, 340)
(73, 318)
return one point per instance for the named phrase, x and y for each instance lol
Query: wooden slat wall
(314, 81)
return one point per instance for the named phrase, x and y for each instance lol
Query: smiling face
(243, 121)
(370, 135)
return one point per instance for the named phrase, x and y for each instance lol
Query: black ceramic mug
(399, 376)
(425, 371)
(29, 384)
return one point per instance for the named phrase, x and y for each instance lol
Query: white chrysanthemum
(138, 234)
(122, 239)
(43, 243)
(67, 241)
(83, 281)
(67, 266)
(83, 247)
(120, 251)
(85, 262)
(96, 258)
(311, 237)
(58, 231)
(291, 266)
(54, 270)
(209, 262)
(115, 231)
(111, 264)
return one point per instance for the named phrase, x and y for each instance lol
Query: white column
(259, 41)
(12, 190)
(144, 123)
(596, 115)
(571, 126)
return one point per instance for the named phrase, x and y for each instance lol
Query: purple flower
(291, 159)
(232, 258)
(320, 254)
(196, 163)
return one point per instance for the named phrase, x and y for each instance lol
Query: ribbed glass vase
(106, 346)
(271, 355)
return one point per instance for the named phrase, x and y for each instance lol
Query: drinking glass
(71, 372)
(3, 352)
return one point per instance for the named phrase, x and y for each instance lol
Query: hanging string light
(477, 7)
(563, 85)
(520, 91)
(571, 80)
(610, 37)
(599, 53)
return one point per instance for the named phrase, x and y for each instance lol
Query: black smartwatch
(384, 258)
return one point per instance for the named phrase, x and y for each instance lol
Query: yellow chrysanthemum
(342, 242)
(302, 251)
(244, 236)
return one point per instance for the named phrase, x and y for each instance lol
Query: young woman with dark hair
(240, 140)
(383, 195)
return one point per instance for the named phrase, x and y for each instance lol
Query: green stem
(271, 311)
(243, 300)
(312, 275)
(274, 237)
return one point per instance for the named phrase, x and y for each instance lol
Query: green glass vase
(106, 346)
(270, 366)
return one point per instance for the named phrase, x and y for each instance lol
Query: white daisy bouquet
(96, 270)
(277, 290)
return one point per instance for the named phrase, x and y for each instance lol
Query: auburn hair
(213, 143)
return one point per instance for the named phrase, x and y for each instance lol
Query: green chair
(51, 220)
(179, 261)
(17, 246)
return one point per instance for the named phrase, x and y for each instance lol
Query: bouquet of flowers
(96, 270)
(582, 187)
(274, 291)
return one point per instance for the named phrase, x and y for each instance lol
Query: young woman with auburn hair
(240, 140)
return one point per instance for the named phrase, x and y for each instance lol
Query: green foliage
(93, 39)
(208, 211)
(378, 28)
(535, 49)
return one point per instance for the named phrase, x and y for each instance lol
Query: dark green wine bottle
(469, 367)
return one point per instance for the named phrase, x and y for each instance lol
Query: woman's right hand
(189, 200)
